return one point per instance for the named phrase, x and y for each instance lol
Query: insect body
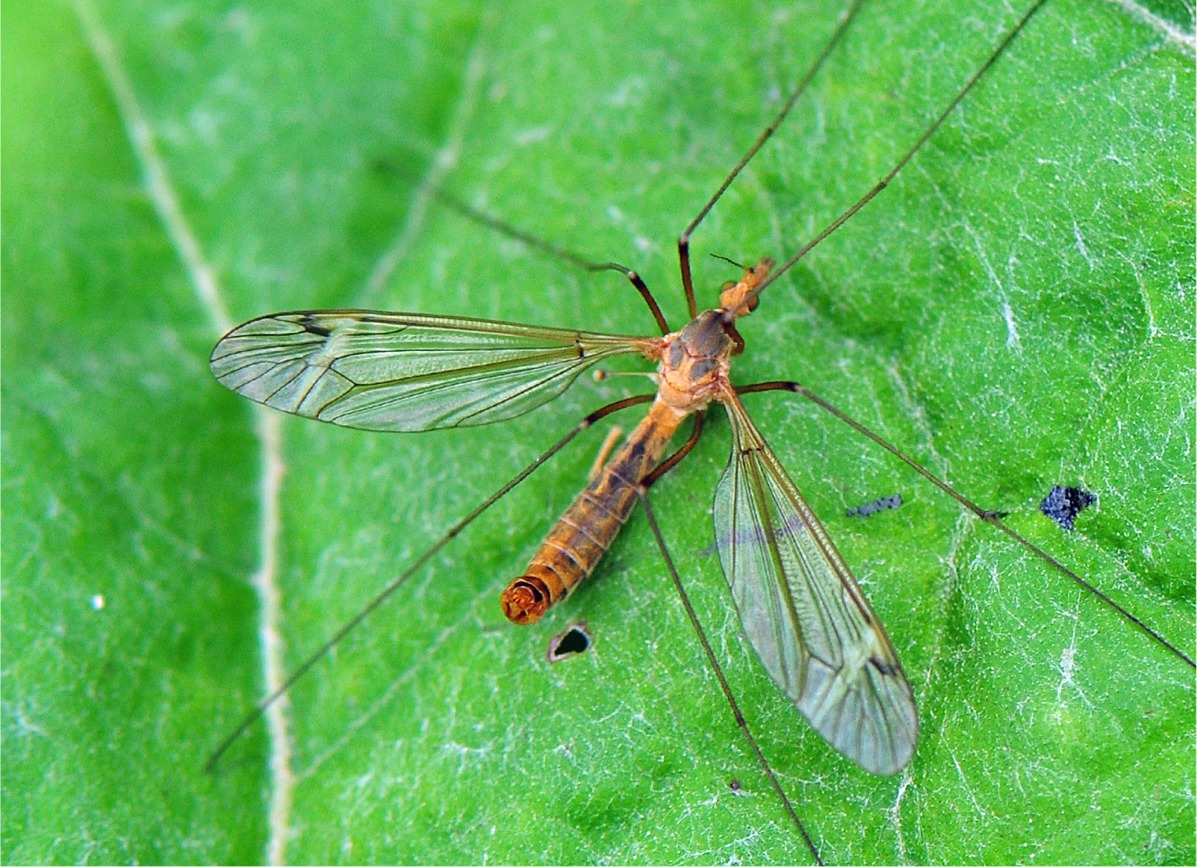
(693, 370)
(800, 606)
(586, 530)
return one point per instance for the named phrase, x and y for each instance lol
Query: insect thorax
(695, 362)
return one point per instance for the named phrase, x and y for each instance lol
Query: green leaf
(1015, 310)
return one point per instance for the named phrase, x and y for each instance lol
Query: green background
(1016, 311)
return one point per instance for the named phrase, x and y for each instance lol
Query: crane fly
(798, 602)
(801, 608)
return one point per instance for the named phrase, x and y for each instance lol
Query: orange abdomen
(582, 535)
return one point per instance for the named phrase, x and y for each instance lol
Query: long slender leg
(713, 661)
(451, 201)
(987, 515)
(884, 182)
(419, 562)
(672, 461)
(642, 491)
(683, 241)
(604, 452)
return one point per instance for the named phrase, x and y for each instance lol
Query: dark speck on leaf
(1062, 505)
(893, 501)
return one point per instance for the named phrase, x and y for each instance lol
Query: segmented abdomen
(582, 535)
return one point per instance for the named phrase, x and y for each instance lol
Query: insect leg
(987, 515)
(451, 201)
(713, 661)
(604, 452)
(672, 461)
(683, 241)
(927, 134)
(397, 582)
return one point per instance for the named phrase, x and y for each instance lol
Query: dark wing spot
(311, 326)
(888, 669)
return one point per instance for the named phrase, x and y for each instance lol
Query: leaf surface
(1016, 311)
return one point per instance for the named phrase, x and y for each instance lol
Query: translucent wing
(404, 371)
(804, 613)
